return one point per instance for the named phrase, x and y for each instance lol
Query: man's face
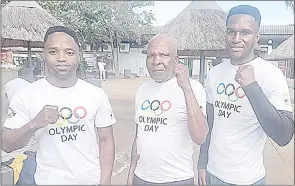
(160, 61)
(61, 55)
(241, 34)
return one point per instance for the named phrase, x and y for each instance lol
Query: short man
(102, 71)
(169, 113)
(66, 114)
(12, 86)
(247, 100)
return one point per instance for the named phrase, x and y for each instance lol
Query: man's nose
(157, 60)
(237, 37)
(61, 56)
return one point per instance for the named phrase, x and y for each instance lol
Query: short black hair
(63, 29)
(245, 9)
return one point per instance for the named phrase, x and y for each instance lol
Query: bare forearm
(13, 139)
(197, 124)
(203, 157)
(107, 156)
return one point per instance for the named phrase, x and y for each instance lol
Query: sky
(272, 12)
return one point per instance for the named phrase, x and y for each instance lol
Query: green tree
(98, 22)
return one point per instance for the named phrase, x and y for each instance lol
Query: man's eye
(70, 53)
(52, 52)
(230, 32)
(245, 33)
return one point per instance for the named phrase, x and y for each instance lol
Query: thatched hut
(285, 51)
(199, 30)
(24, 24)
(284, 54)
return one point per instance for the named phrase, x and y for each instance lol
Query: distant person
(102, 71)
(247, 100)
(170, 117)
(12, 86)
(71, 119)
(38, 69)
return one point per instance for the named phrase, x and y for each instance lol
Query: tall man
(170, 116)
(247, 100)
(64, 113)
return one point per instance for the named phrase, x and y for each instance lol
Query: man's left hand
(245, 75)
(182, 75)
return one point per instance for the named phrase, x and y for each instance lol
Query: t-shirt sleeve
(18, 114)
(104, 115)
(278, 91)
(208, 90)
(200, 95)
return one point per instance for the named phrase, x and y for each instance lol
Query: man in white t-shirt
(102, 72)
(169, 116)
(71, 119)
(12, 86)
(247, 100)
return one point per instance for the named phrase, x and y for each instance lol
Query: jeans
(26, 176)
(213, 180)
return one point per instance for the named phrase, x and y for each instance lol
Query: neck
(243, 61)
(62, 82)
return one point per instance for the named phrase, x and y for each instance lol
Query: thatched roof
(199, 27)
(25, 21)
(285, 51)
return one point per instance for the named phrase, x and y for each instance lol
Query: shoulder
(89, 87)
(196, 84)
(145, 85)
(267, 66)
(217, 70)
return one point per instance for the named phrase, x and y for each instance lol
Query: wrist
(250, 83)
(32, 126)
(187, 88)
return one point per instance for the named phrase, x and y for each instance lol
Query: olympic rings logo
(231, 91)
(156, 106)
(66, 115)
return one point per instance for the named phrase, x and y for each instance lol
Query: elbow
(6, 147)
(199, 139)
(284, 141)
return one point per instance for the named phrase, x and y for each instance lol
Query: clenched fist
(182, 75)
(48, 115)
(245, 75)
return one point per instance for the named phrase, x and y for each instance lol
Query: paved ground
(279, 161)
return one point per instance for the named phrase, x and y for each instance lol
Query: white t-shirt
(164, 143)
(67, 151)
(101, 66)
(237, 139)
(12, 86)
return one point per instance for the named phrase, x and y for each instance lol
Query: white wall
(133, 60)
(196, 67)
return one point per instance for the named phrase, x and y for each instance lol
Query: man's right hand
(202, 176)
(48, 115)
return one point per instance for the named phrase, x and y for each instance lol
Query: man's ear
(257, 37)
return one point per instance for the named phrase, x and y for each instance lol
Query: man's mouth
(62, 67)
(237, 48)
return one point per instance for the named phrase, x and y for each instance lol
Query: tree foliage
(97, 21)
(290, 4)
